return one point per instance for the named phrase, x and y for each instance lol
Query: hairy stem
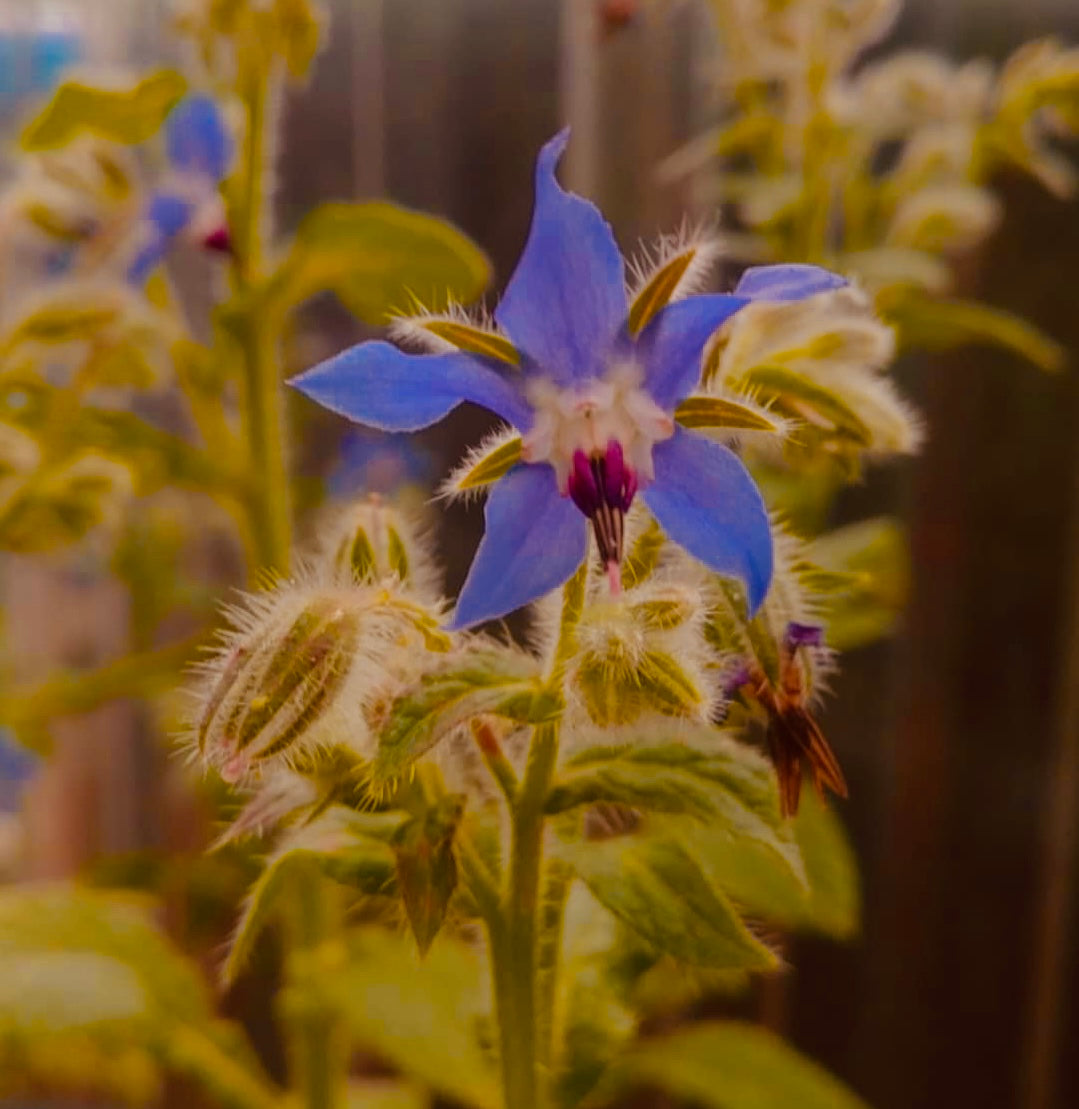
(523, 1027)
(318, 1047)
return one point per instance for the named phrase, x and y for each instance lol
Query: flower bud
(643, 651)
(372, 542)
(305, 667)
(276, 685)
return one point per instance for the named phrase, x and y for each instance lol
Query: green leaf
(834, 904)
(426, 868)
(336, 844)
(870, 566)
(717, 780)
(379, 259)
(59, 504)
(69, 319)
(939, 324)
(485, 680)
(725, 1066)
(86, 972)
(422, 1017)
(657, 888)
(126, 116)
(298, 32)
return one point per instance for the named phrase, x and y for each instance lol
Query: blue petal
(535, 539)
(378, 385)
(705, 500)
(165, 217)
(17, 766)
(791, 282)
(196, 139)
(566, 300)
(670, 347)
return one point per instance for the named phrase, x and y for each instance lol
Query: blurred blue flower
(17, 767)
(594, 403)
(187, 202)
(374, 462)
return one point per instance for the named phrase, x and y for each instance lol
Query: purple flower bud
(803, 635)
(735, 679)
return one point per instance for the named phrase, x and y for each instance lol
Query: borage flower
(592, 383)
(187, 202)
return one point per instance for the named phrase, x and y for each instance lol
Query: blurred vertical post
(367, 28)
(579, 92)
(1055, 914)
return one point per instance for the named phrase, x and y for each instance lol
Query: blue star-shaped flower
(187, 202)
(594, 400)
(17, 767)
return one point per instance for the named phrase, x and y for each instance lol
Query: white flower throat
(615, 408)
(599, 439)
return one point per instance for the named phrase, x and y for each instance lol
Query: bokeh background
(960, 736)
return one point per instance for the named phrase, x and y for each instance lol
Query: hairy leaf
(426, 867)
(379, 259)
(656, 887)
(834, 904)
(870, 567)
(725, 1066)
(484, 681)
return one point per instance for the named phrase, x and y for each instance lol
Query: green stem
(524, 1030)
(319, 1048)
(270, 507)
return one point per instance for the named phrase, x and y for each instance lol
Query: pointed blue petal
(705, 500)
(566, 300)
(378, 385)
(17, 766)
(670, 347)
(196, 138)
(535, 539)
(791, 282)
(165, 217)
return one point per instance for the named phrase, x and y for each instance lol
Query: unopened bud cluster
(307, 665)
(643, 651)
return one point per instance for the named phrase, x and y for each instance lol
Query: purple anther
(803, 635)
(582, 485)
(614, 473)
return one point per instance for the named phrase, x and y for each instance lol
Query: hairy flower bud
(372, 541)
(304, 668)
(643, 651)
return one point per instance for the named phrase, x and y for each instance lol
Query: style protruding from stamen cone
(602, 486)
